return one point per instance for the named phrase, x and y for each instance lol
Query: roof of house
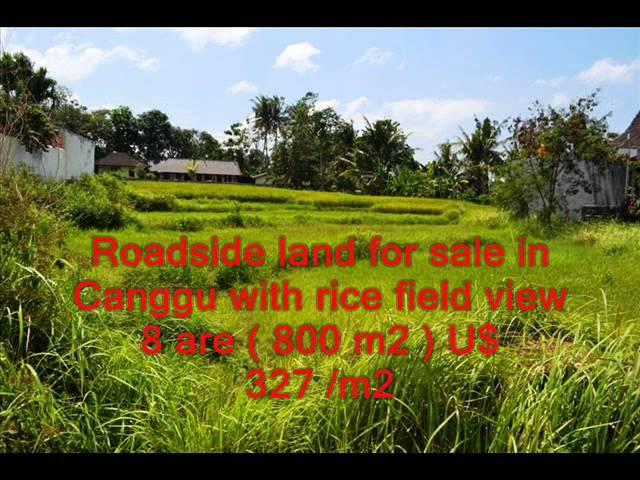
(118, 159)
(630, 138)
(208, 167)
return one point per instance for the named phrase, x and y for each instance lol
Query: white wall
(76, 158)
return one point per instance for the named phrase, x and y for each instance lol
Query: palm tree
(447, 177)
(278, 117)
(192, 168)
(269, 116)
(379, 151)
(262, 118)
(479, 151)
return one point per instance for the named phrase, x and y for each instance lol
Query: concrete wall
(71, 161)
(607, 187)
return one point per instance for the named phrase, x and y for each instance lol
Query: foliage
(480, 154)
(152, 203)
(27, 98)
(268, 116)
(237, 148)
(189, 224)
(155, 135)
(32, 232)
(97, 201)
(192, 168)
(548, 148)
(379, 150)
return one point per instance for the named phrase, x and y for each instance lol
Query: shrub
(153, 203)
(227, 277)
(408, 208)
(32, 230)
(87, 211)
(167, 277)
(237, 220)
(337, 202)
(453, 216)
(189, 224)
(98, 202)
(362, 240)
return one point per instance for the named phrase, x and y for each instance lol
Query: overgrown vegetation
(78, 381)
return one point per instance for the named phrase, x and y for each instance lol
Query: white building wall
(75, 159)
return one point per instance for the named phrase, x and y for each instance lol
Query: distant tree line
(515, 163)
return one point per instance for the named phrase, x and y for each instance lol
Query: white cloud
(150, 64)
(559, 100)
(551, 83)
(608, 70)
(428, 121)
(322, 104)
(103, 106)
(298, 57)
(125, 29)
(355, 106)
(70, 63)
(242, 87)
(375, 56)
(5, 33)
(431, 121)
(401, 66)
(495, 78)
(199, 37)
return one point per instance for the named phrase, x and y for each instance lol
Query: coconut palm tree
(380, 150)
(262, 118)
(480, 154)
(269, 116)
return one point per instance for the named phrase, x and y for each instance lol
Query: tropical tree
(192, 168)
(27, 98)
(126, 133)
(547, 150)
(446, 175)
(237, 147)
(155, 135)
(480, 154)
(379, 150)
(269, 116)
(294, 160)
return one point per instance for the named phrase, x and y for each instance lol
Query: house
(212, 171)
(68, 156)
(628, 144)
(119, 162)
(263, 179)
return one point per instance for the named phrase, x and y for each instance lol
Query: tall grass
(78, 381)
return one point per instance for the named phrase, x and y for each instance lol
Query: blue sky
(433, 81)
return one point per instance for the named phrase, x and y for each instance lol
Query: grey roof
(210, 167)
(118, 159)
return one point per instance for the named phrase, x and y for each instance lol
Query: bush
(453, 216)
(362, 240)
(32, 230)
(408, 208)
(189, 224)
(338, 202)
(227, 277)
(237, 220)
(98, 201)
(167, 277)
(153, 203)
